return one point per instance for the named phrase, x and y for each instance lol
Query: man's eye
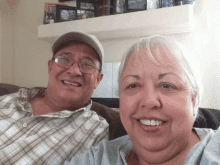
(87, 64)
(64, 59)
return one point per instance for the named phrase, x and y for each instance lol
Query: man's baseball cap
(79, 36)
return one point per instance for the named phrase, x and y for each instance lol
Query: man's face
(70, 88)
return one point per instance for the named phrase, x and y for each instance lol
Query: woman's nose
(150, 98)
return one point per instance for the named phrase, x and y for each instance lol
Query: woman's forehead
(140, 62)
(158, 55)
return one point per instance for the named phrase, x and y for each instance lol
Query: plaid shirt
(47, 139)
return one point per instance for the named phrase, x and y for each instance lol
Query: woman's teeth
(151, 122)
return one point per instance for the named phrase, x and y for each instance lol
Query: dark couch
(207, 118)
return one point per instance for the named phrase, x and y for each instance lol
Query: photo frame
(153, 4)
(119, 7)
(65, 0)
(65, 13)
(90, 7)
(136, 5)
(104, 7)
(87, 6)
(168, 3)
(183, 2)
(84, 14)
(50, 12)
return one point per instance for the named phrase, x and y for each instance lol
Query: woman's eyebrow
(134, 76)
(160, 76)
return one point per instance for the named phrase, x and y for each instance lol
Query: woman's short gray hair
(167, 46)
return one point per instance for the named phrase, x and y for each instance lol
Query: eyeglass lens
(87, 65)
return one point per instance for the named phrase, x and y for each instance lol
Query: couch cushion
(7, 89)
(116, 128)
(207, 118)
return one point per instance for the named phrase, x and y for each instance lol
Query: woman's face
(156, 103)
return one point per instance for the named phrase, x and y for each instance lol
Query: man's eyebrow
(64, 53)
(89, 58)
(160, 76)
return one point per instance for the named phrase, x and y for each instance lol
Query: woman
(159, 97)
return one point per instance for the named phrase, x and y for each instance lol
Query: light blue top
(115, 152)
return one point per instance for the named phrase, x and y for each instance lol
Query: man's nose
(74, 70)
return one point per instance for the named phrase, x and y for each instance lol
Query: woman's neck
(167, 156)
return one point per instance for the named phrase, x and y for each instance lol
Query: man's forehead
(77, 47)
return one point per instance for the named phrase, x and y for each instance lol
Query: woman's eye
(168, 86)
(132, 86)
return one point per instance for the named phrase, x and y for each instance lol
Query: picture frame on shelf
(104, 7)
(89, 7)
(119, 7)
(84, 14)
(168, 3)
(153, 4)
(136, 5)
(50, 12)
(65, 0)
(183, 2)
(65, 13)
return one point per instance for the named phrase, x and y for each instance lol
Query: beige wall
(6, 42)
(30, 53)
(0, 47)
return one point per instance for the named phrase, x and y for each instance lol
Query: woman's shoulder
(204, 132)
(106, 152)
(207, 151)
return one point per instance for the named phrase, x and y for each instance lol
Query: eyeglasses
(85, 66)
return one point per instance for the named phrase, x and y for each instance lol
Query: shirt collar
(28, 94)
(126, 149)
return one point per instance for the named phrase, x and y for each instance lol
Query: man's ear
(98, 79)
(50, 63)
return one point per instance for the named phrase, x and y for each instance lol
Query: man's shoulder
(7, 100)
(31, 93)
(112, 117)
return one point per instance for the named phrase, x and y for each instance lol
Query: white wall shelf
(176, 19)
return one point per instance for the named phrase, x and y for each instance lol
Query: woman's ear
(193, 103)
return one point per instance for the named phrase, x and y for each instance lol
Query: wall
(0, 47)
(31, 54)
(6, 42)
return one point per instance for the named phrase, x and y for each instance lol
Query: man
(49, 126)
